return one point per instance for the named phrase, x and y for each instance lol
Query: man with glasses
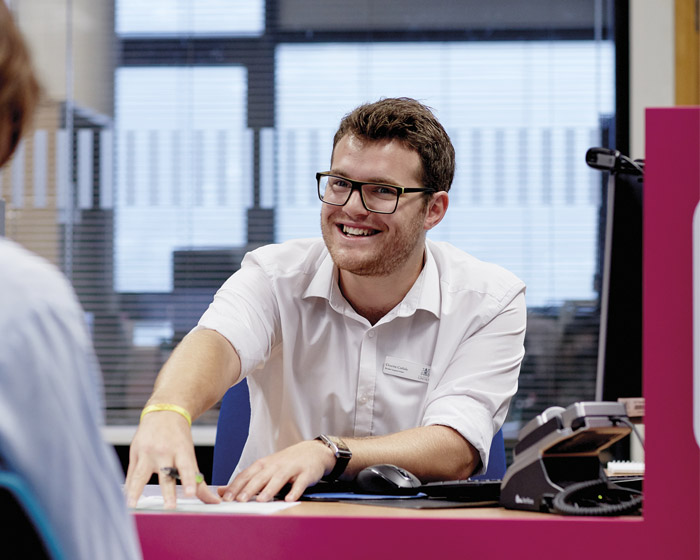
(372, 345)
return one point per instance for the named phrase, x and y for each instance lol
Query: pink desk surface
(314, 530)
(670, 527)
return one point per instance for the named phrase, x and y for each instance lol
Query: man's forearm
(429, 452)
(202, 367)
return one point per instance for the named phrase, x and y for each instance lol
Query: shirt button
(371, 334)
(362, 399)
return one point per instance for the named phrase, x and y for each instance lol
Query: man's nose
(354, 204)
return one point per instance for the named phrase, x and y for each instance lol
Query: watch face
(337, 445)
(340, 444)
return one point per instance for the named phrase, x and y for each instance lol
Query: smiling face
(365, 243)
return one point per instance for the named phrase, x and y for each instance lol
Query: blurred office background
(175, 135)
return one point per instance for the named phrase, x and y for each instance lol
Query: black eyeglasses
(376, 197)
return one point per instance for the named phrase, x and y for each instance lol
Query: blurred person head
(19, 89)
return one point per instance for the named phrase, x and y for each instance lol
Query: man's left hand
(302, 465)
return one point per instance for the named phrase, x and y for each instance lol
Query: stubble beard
(384, 259)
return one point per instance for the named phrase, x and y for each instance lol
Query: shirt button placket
(365, 385)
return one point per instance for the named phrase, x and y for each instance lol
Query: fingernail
(242, 497)
(228, 497)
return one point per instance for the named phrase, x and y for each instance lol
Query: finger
(272, 488)
(226, 493)
(299, 484)
(167, 489)
(205, 494)
(188, 471)
(297, 490)
(136, 481)
(190, 478)
(231, 491)
(131, 487)
(254, 485)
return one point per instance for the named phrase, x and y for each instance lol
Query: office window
(191, 132)
(201, 17)
(183, 164)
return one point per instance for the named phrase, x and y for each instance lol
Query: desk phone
(556, 465)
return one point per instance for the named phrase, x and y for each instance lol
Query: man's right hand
(163, 440)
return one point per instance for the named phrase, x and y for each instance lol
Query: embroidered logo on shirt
(406, 369)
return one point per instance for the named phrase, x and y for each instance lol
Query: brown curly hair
(412, 123)
(19, 89)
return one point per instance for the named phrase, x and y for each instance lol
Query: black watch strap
(342, 456)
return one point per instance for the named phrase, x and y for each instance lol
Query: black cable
(626, 422)
(597, 497)
(628, 164)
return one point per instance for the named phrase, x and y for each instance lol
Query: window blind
(148, 182)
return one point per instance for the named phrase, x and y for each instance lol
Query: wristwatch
(342, 456)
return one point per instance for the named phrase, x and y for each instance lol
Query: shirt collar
(324, 283)
(424, 294)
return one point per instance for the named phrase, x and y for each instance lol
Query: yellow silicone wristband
(169, 407)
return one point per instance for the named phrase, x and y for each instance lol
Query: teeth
(357, 231)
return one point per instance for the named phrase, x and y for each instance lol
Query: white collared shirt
(448, 354)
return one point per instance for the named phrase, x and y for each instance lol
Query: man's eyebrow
(378, 180)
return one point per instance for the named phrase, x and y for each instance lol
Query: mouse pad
(424, 503)
(420, 501)
(354, 496)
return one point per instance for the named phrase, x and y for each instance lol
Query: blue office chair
(497, 460)
(232, 433)
(24, 527)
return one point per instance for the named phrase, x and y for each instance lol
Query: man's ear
(437, 206)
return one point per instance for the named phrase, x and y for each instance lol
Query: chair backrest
(497, 459)
(24, 527)
(232, 433)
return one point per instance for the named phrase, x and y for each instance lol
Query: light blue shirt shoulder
(51, 410)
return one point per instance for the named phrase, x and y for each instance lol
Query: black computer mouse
(387, 479)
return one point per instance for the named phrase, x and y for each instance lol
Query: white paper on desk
(193, 505)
